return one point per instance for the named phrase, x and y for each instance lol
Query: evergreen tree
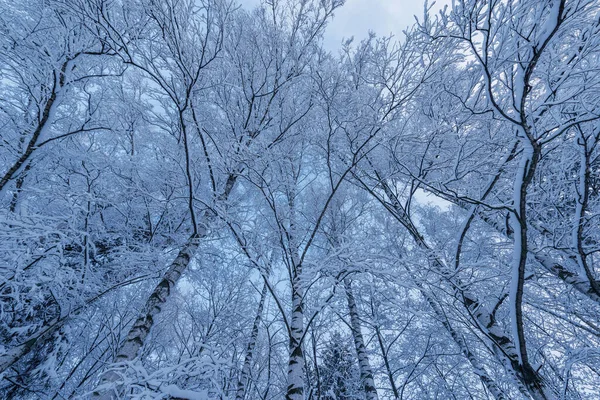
(340, 379)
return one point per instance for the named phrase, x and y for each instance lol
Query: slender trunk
(14, 202)
(295, 389)
(580, 210)
(188, 174)
(527, 167)
(49, 107)
(478, 369)
(137, 334)
(316, 364)
(245, 374)
(265, 394)
(366, 374)
(526, 378)
(31, 146)
(134, 341)
(386, 362)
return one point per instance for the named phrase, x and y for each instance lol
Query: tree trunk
(136, 336)
(529, 160)
(384, 355)
(245, 374)
(366, 374)
(134, 341)
(44, 117)
(527, 379)
(478, 369)
(295, 389)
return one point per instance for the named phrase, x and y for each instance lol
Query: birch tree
(198, 200)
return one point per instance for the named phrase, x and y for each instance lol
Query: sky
(383, 17)
(357, 17)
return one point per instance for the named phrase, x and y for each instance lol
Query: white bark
(527, 379)
(295, 389)
(135, 339)
(366, 373)
(245, 374)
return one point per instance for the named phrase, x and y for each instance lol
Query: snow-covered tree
(198, 200)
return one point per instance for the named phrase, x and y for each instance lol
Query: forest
(199, 200)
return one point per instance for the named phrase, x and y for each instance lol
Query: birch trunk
(295, 389)
(245, 374)
(134, 341)
(366, 373)
(528, 380)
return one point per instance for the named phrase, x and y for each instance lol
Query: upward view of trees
(199, 201)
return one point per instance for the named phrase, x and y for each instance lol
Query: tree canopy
(199, 201)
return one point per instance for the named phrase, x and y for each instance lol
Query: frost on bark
(295, 389)
(477, 368)
(242, 385)
(45, 116)
(528, 380)
(550, 264)
(366, 373)
(135, 339)
(137, 334)
(529, 376)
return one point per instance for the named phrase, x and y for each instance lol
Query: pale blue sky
(357, 17)
(383, 17)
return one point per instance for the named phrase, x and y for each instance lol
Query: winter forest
(198, 200)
